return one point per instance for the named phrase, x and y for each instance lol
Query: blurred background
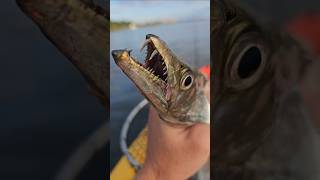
(301, 19)
(281, 12)
(183, 25)
(46, 111)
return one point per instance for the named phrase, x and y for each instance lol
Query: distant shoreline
(117, 26)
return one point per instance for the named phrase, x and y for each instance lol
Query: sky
(140, 11)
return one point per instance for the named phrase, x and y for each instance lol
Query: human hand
(175, 152)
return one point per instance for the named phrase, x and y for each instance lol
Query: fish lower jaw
(147, 73)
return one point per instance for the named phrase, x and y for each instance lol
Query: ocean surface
(189, 40)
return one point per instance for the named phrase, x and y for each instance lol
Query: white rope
(124, 133)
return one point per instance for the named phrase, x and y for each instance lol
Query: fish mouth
(154, 61)
(151, 77)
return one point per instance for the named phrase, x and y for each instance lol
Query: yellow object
(123, 170)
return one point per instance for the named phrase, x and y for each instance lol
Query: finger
(199, 135)
(156, 123)
(153, 117)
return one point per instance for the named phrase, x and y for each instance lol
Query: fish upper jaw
(171, 61)
(150, 85)
(156, 78)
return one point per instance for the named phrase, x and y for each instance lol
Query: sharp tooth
(165, 68)
(166, 79)
(153, 54)
(155, 78)
(163, 63)
(165, 73)
(145, 44)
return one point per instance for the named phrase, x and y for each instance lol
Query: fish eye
(249, 62)
(246, 63)
(186, 82)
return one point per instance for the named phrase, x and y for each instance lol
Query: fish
(260, 126)
(171, 86)
(80, 30)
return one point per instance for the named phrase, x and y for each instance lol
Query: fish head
(243, 92)
(255, 67)
(43, 11)
(80, 33)
(171, 86)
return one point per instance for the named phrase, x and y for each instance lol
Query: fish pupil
(188, 81)
(249, 63)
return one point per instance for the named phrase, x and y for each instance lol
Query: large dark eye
(186, 82)
(249, 62)
(246, 63)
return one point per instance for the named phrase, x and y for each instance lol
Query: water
(191, 41)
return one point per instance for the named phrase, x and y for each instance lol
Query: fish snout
(121, 54)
